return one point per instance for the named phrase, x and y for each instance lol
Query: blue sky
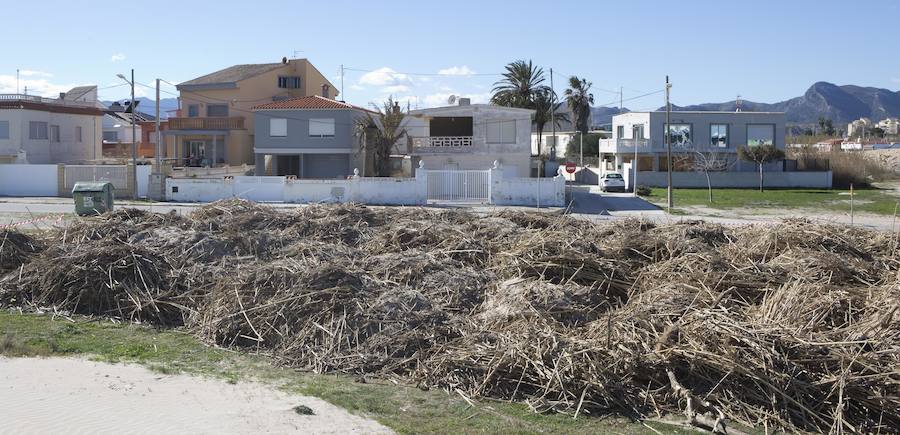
(713, 50)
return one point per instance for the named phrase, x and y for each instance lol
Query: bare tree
(760, 155)
(379, 132)
(710, 162)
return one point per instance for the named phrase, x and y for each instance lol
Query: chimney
(62, 95)
(465, 101)
(325, 91)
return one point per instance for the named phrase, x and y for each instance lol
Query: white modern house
(471, 137)
(36, 129)
(695, 137)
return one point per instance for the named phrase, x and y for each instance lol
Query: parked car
(612, 181)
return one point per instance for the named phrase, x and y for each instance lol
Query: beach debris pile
(792, 325)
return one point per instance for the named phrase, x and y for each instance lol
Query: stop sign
(570, 167)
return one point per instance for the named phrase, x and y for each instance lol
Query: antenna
(737, 103)
(296, 52)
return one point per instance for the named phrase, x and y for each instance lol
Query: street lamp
(134, 189)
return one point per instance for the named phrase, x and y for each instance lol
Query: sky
(421, 52)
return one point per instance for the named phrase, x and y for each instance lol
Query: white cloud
(117, 57)
(32, 73)
(395, 89)
(35, 86)
(456, 71)
(384, 77)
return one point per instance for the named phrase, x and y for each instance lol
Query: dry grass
(791, 326)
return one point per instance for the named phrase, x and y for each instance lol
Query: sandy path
(61, 395)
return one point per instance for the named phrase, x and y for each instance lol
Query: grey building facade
(691, 134)
(309, 137)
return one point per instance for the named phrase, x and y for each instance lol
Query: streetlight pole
(668, 150)
(134, 189)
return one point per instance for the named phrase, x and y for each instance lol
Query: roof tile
(310, 102)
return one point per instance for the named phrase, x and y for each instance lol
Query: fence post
(61, 180)
(495, 175)
(422, 183)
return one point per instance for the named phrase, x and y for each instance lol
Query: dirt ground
(62, 395)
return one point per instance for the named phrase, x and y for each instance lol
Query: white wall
(143, 179)
(29, 180)
(375, 191)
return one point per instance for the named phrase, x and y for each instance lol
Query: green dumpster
(93, 198)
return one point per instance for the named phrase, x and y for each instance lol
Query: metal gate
(459, 186)
(115, 174)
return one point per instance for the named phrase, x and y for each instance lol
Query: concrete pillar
(275, 164)
(215, 151)
(618, 162)
(61, 181)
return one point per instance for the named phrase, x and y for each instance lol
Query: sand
(63, 395)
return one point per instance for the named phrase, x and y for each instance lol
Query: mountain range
(841, 104)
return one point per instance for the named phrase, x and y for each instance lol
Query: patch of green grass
(405, 409)
(876, 201)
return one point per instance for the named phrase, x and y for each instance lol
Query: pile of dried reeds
(15, 249)
(791, 325)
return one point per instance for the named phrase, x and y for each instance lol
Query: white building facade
(42, 130)
(694, 136)
(471, 137)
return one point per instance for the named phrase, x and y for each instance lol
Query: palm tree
(379, 132)
(580, 99)
(545, 111)
(521, 82)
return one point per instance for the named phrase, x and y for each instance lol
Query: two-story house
(308, 137)
(215, 123)
(37, 129)
(690, 133)
(471, 136)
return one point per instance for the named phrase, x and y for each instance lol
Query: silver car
(612, 181)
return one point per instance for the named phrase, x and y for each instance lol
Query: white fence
(44, 180)
(459, 186)
(115, 174)
(549, 192)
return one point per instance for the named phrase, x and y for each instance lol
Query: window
(289, 82)
(620, 131)
(277, 127)
(4, 129)
(321, 127)
(54, 133)
(78, 133)
(718, 135)
(680, 135)
(637, 131)
(193, 110)
(501, 132)
(110, 136)
(760, 134)
(37, 130)
(217, 110)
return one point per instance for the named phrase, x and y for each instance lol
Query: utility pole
(17, 81)
(668, 150)
(134, 190)
(342, 83)
(552, 117)
(621, 99)
(158, 134)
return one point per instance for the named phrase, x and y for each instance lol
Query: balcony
(215, 123)
(441, 144)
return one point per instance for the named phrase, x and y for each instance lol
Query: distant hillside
(841, 104)
(148, 106)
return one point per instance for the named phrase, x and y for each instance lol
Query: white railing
(442, 142)
(39, 99)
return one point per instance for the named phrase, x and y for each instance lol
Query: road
(587, 202)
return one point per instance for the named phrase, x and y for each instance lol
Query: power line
(347, 68)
